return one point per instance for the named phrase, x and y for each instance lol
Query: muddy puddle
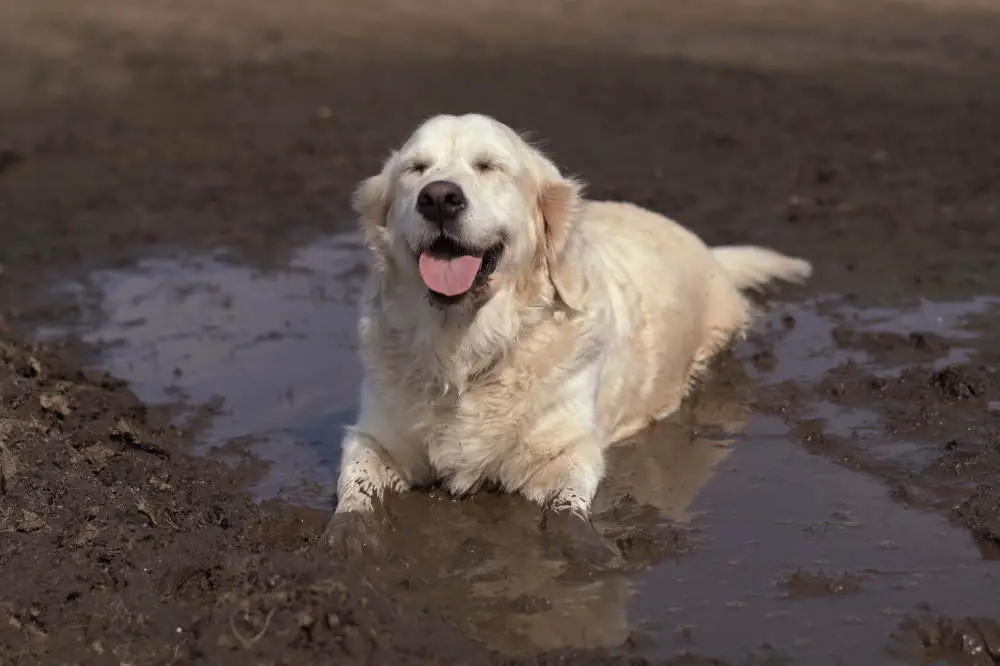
(739, 539)
(273, 354)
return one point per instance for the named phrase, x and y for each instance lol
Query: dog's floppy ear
(371, 204)
(560, 200)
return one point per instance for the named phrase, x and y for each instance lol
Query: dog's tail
(752, 267)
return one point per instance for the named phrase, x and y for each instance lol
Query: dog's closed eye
(418, 167)
(484, 164)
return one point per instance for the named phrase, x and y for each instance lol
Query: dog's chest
(469, 437)
(464, 437)
(464, 411)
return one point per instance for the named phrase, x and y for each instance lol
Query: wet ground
(178, 277)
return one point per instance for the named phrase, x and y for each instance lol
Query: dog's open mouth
(450, 270)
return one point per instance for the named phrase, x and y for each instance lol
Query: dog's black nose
(441, 201)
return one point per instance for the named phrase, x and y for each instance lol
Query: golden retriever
(511, 330)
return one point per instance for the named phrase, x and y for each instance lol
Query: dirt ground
(862, 135)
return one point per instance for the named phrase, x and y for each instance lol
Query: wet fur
(597, 321)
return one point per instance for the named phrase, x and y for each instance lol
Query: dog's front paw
(354, 535)
(575, 538)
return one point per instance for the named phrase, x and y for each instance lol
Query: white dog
(511, 330)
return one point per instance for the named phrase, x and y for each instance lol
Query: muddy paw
(354, 535)
(578, 541)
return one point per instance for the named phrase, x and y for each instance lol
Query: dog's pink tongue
(449, 277)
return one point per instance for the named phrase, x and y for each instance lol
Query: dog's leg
(565, 487)
(568, 482)
(365, 478)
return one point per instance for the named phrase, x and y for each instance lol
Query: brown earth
(863, 135)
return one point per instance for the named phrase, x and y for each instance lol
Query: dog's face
(466, 209)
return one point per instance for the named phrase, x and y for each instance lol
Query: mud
(120, 548)
(973, 641)
(177, 263)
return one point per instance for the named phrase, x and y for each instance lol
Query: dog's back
(673, 303)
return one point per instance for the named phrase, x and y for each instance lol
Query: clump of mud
(802, 584)
(970, 642)
(981, 512)
(955, 382)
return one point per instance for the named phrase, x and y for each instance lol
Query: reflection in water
(484, 565)
(716, 504)
(760, 508)
(279, 349)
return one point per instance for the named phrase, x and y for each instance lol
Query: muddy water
(275, 353)
(738, 539)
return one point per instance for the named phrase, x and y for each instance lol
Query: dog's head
(466, 209)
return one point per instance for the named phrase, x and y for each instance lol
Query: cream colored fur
(596, 322)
